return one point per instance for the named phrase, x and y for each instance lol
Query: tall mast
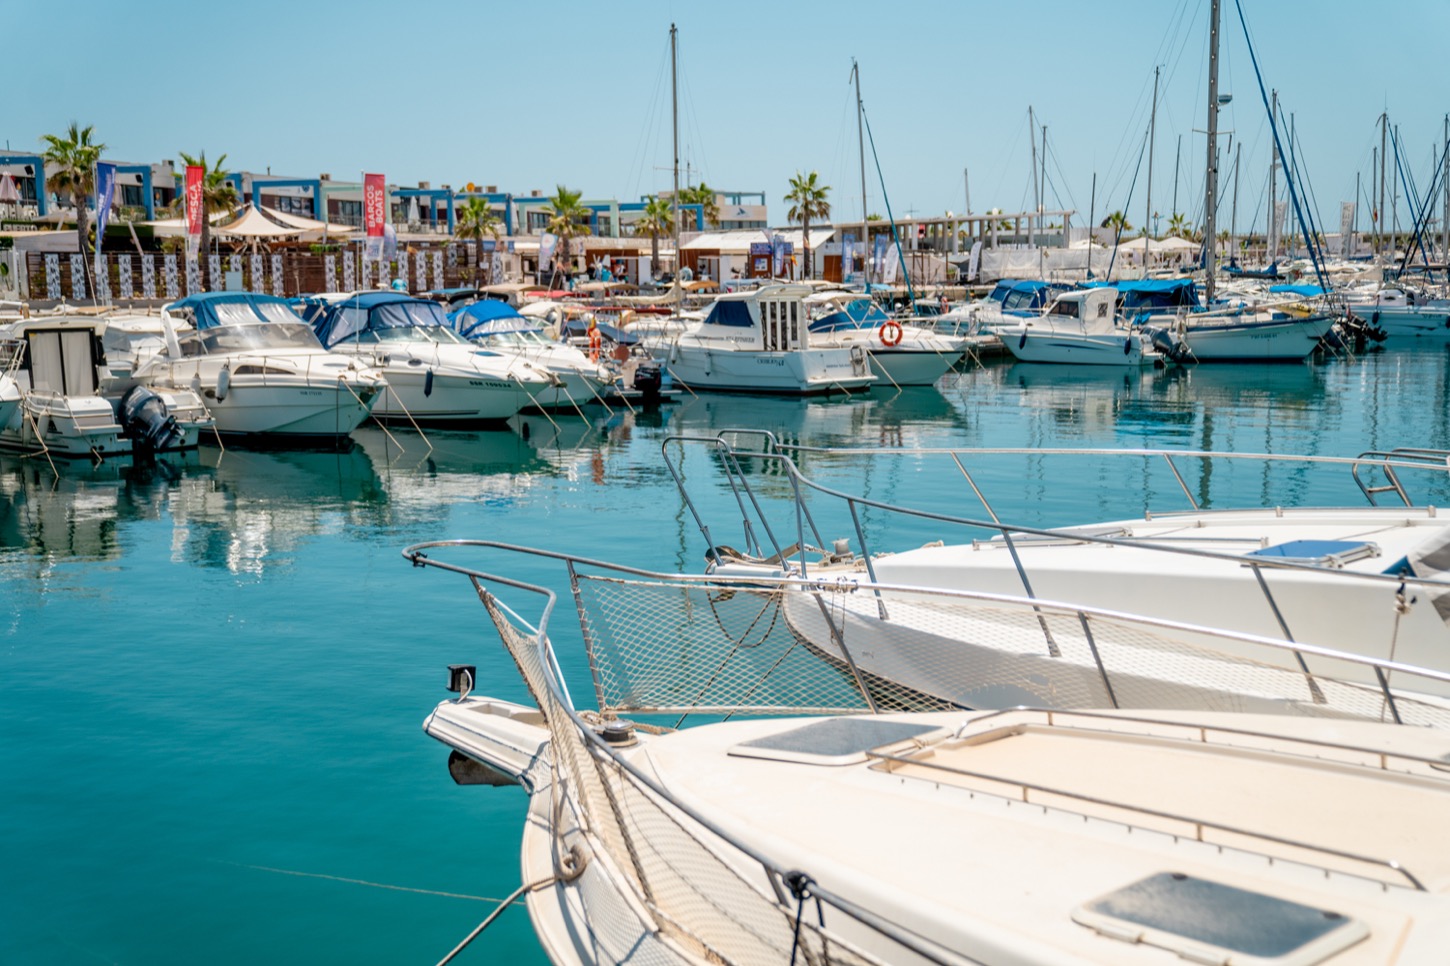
(675, 113)
(1148, 213)
(861, 149)
(1445, 187)
(1233, 218)
(1380, 221)
(1210, 180)
(1271, 236)
(1036, 203)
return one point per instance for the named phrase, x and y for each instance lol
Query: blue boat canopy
(730, 312)
(1153, 294)
(489, 317)
(337, 322)
(859, 313)
(208, 310)
(1026, 295)
(1308, 291)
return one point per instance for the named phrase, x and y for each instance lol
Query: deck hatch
(830, 741)
(1207, 921)
(1324, 553)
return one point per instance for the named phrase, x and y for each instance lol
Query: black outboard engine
(146, 421)
(648, 380)
(1168, 344)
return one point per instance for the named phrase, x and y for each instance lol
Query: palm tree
(217, 195)
(1117, 221)
(1178, 225)
(74, 158)
(704, 196)
(658, 219)
(567, 218)
(474, 219)
(807, 197)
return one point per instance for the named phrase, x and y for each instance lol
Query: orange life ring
(890, 333)
(596, 342)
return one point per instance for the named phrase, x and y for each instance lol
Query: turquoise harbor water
(213, 672)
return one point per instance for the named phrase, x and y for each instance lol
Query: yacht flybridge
(260, 370)
(834, 817)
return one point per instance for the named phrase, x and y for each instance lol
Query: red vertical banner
(375, 207)
(195, 174)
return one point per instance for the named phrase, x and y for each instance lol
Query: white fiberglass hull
(69, 426)
(296, 410)
(424, 395)
(1117, 349)
(1333, 607)
(1410, 322)
(1268, 340)
(801, 372)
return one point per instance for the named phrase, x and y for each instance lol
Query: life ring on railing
(890, 333)
(596, 342)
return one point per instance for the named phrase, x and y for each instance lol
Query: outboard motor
(1166, 343)
(648, 381)
(146, 421)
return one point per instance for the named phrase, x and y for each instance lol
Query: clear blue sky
(533, 95)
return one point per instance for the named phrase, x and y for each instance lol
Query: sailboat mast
(861, 150)
(1036, 203)
(1210, 181)
(1271, 235)
(675, 116)
(1380, 221)
(1148, 212)
(1233, 218)
(1445, 187)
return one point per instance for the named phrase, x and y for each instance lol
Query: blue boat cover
(858, 314)
(1149, 294)
(489, 317)
(336, 322)
(1308, 291)
(211, 309)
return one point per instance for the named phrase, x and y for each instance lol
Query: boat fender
(1022, 341)
(890, 333)
(1128, 346)
(223, 382)
(428, 383)
(1374, 318)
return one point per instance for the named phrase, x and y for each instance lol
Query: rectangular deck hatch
(830, 741)
(1323, 553)
(1209, 922)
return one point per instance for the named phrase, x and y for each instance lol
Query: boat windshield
(252, 336)
(245, 313)
(411, 333)
(515, 338)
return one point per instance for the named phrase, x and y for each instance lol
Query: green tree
(475, 219)
(658, 219)
(807, 198)
(73, 157)
(217, 195)
(1117, 221)
(1178, 225)
(568, 218)
(704, 196)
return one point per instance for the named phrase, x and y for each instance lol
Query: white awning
(254, 224)
(306, 224)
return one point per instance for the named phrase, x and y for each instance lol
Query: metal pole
(1233, 227)
(1148, 213)
(1036, 201)
(1271, 238)
(1384, 136)
(861, 150)
(1211, 174)
(675, 116)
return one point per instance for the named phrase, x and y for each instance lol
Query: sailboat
(1189, 333)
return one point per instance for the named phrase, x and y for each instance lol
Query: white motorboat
(1081, 328)
(1402, 313)
(758, 341)
(1169, 312)
(1372, 581)
(57, 396)
(260, 370)
(901, 354)
(803, 827)
(434, 375)
(579, 379)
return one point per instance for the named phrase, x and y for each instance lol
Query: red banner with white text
(195, 208)
(375, 208)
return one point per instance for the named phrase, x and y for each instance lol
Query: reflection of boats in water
(884, 418)
(73, 510)
(456, 465)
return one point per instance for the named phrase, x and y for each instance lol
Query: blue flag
(105, 193)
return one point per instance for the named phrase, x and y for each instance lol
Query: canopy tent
(170, 227)
(254, 226)
(306, 224)
(1171, 244)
